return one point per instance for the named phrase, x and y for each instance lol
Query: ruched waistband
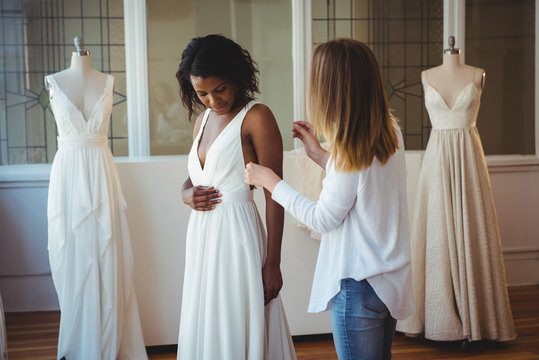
(82, 142)
(237, 196)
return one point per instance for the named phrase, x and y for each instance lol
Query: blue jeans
(362, 325)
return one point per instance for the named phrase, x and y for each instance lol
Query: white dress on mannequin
(223, 314)
(457, 264)
(89, 246)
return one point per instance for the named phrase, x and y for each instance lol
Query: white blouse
(363, 217)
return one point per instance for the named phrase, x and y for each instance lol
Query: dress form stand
(458, 272)
(453, 75)
(83, 84)
(89, 246)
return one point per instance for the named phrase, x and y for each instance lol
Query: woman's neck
(452, 60)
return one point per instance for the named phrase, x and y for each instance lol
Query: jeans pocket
(371, 301)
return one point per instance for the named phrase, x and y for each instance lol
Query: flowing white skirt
(91, 258)
(223, 314)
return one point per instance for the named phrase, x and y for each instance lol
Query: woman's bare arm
(261, 129)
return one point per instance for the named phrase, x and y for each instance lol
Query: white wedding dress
(223, 314)
(89, 246)
(457, 265)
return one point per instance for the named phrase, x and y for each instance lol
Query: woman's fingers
(252, 174)
(206, 192)
(206, 205)
(205, 198)
(305, 135)
(248, 174)
(297, 134)
(304, 125)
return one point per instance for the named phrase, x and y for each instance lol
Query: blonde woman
(363, 270)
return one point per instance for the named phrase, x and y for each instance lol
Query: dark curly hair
(216, 55)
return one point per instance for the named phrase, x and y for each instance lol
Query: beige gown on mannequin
(88, 239)
(457, 265)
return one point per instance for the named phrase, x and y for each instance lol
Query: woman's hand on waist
(200, 198)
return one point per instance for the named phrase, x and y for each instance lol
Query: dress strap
(426, 77)
(246, 109)
(109, 84)
(481, 74)
(50, 84)
(203, 125)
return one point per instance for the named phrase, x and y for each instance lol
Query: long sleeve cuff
(282, 193)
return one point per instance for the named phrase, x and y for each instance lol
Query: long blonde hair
(348, 105)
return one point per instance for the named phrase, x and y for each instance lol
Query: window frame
(454, 24)
(135, 24)
(136, 67)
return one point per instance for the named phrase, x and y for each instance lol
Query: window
(37, 39)
(500, 38)
(406, 38)
(264, 28)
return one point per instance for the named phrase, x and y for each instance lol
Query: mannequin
(81, 73)
(450, 78)
(89, 246)
(458, 273)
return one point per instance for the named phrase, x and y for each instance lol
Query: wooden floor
(34, 336)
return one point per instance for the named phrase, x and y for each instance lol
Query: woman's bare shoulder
(260, 115)
(260, 109)
(260, 122)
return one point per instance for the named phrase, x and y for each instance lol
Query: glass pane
(264, 28)
(406, 37)
(37, 39)
(500, 38)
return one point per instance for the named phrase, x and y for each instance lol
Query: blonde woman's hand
(304, 131)
(259, 175)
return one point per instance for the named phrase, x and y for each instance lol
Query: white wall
(158, 221)
(516, 194)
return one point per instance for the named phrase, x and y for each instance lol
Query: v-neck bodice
(463, 114)
(224, 164)
(70, 119)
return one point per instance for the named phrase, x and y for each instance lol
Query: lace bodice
(70, 119)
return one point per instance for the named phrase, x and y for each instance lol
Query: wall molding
(530, 251)
(518, 264)
(25, 184)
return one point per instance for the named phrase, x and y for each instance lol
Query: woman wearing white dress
(230, 303)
